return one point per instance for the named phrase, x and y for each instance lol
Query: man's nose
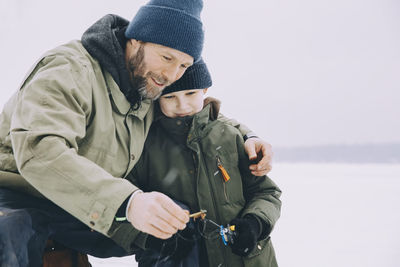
(173, 73)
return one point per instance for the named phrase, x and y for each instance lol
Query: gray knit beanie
(172, 23)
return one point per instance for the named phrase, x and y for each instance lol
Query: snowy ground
(333, 215)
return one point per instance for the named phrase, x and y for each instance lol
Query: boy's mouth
(183, 114)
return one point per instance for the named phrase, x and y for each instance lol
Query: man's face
(182, 103)
(153, 67)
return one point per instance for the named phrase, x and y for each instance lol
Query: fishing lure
(227, 233)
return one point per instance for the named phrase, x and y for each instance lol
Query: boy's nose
(182, 104)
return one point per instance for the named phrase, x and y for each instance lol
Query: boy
(200, 162)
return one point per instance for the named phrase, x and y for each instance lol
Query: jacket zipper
(129, 134)
(212, 197)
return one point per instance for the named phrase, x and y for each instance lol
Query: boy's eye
(168, 97)
(190, 93)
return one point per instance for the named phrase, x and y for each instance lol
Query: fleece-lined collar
(106, 42)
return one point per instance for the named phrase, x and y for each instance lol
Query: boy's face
(182, 103)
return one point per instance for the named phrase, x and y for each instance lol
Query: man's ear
(134, 43)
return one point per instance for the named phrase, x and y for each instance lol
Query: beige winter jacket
(70, 132)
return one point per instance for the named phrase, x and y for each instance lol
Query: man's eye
(168, 96)
(183, 66)
(167, 58)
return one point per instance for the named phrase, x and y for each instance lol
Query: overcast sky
(296, 72)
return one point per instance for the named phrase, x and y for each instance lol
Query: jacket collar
(195, 125)
(209, 112)
(212, 111)
(105, 41)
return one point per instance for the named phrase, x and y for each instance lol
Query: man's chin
(151, 93)
(156, 96)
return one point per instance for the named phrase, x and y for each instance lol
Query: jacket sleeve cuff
(249, 135)
(122, 213)
(130, 200)
(263, 227)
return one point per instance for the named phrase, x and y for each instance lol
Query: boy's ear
(205, 90)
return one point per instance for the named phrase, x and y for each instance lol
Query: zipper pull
(225, 174)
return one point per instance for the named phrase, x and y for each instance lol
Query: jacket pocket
(228, 181)
(262, 255)
(259, 247)
(225, 177)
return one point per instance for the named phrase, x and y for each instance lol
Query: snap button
(1, 213)
(259, 247)
(95, 216)
(132, 157)
(92, 223)
(178, 122)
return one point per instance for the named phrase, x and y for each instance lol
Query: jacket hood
(105, 41)
(215, 105)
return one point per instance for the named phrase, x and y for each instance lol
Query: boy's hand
(255, 149)
(156, 214)
(247, 231)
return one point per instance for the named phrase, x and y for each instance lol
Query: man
(77, 127)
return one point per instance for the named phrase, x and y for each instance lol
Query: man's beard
(138, 78)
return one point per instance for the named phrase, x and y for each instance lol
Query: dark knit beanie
(172, 23)
(196, 76)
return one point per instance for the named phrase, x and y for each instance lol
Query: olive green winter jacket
(181, 160)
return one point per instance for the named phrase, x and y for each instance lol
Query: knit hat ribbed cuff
(196, 77)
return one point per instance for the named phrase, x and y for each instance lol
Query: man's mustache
(159, 78)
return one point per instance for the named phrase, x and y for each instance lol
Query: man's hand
(156, 214)
(258, 149)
